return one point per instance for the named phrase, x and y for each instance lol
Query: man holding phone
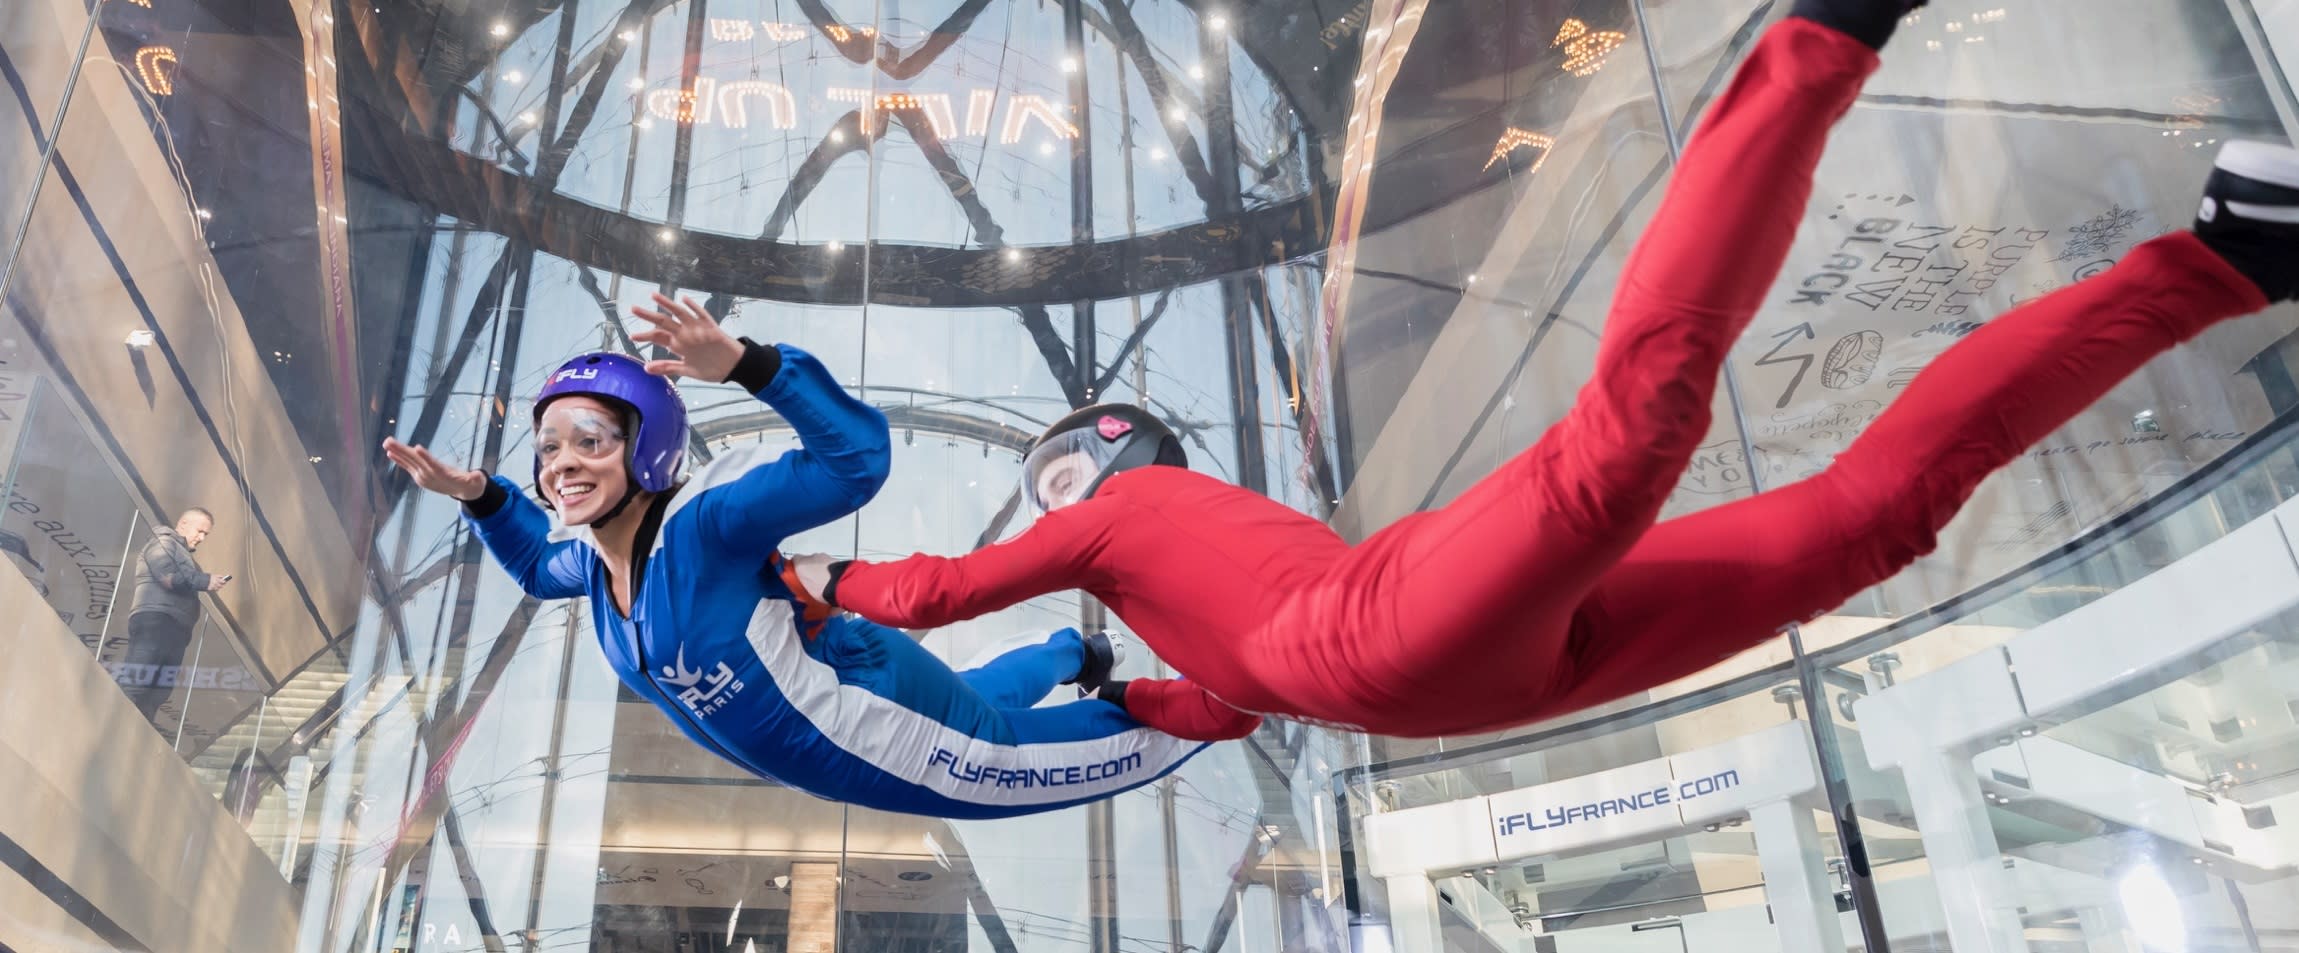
(167, 607)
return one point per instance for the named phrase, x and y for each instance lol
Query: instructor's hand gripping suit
(1547, 587)
(837, 707)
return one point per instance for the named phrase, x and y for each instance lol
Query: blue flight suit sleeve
(518, 534)
(842, 461)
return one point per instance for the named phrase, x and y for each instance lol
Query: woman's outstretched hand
(430, 473)
(683, 328)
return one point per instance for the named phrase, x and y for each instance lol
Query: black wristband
(1113, 692)
(756, 369)
(829, 591)
(490, 500)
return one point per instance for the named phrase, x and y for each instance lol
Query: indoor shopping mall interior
(1356, 253)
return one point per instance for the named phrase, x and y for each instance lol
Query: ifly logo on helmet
(576, 374)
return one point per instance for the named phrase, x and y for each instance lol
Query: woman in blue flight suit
(691, 608)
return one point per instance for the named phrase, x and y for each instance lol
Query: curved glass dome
(1133, 141)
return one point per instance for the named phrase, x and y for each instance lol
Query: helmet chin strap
(630, 492)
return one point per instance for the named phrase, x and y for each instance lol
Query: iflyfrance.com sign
(1661, 795)
(1621, 803)
(1650, 799)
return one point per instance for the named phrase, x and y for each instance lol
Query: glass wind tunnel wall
(259, 238)
(1358, 253)
(2062, 731)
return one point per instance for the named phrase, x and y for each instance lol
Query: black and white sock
(2250, 215)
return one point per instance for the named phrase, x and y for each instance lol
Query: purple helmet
(659, 446)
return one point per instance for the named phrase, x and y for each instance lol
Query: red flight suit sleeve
(1061, 551)
(1184, 710)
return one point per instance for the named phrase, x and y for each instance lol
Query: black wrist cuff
(829, 593)
(490, 500)
(1113, 692)
(756, 369)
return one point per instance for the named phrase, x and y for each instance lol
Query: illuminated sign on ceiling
(149, 63)
(1586, 49)
(1516, 139)
(737, 104)
(741, 31)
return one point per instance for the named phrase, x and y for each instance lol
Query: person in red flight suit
(1548, 586)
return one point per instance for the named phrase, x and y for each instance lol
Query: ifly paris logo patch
(704, 692)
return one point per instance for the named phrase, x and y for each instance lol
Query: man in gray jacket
(167, 607)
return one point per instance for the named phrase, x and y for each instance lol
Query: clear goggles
(584, 432)
(1058, 471)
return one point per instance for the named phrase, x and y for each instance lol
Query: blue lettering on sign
(977, 773)
(1568, 814)
(1575, 813)
(1697, 787)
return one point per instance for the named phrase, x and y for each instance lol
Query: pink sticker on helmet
(1112, 428)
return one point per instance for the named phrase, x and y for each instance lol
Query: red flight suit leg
(1467, 607)
(1710, 584)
